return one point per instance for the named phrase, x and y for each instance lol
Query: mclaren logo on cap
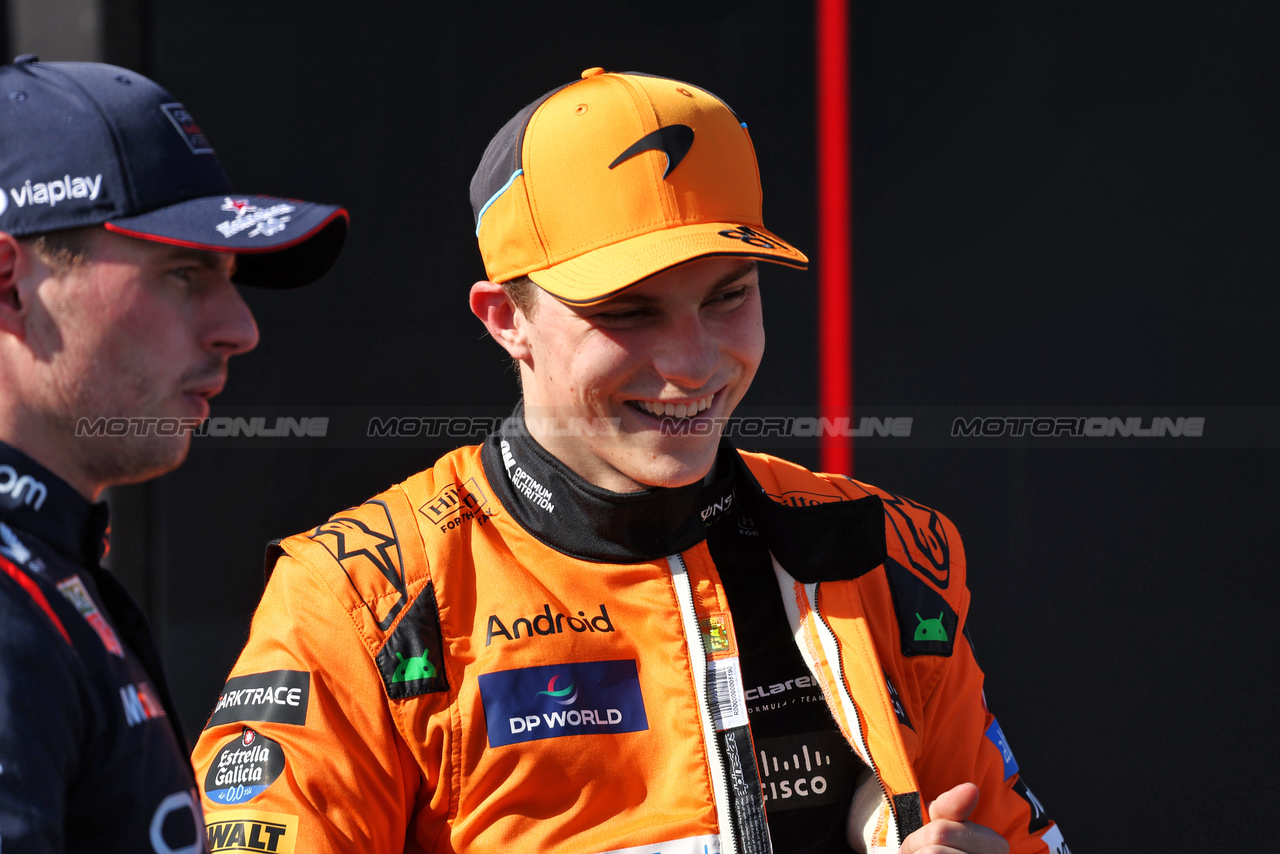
(673, 141)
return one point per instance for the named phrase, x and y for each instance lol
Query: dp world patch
(581, 698)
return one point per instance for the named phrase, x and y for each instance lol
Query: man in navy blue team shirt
(121, 242)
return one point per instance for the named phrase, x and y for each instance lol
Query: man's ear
(13, 303)
(505, 322)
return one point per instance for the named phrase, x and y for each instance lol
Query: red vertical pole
(835, 234)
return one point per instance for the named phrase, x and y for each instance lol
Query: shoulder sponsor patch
(455, 504)
(279, 696)
(926, 623)
(579, 698)
(251, 830)
(243, 768)
(996, 736)
(412, 660)
(364, 538)
(800, 498)
(77, 594)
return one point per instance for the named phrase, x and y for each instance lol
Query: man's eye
(622, 316)
(732, 296)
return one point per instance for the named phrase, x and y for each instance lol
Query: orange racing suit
(496, 656)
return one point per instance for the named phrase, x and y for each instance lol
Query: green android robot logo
(930, 630)
(409, 670)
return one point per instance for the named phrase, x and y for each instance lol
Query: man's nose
(689, 354)
(228, 326)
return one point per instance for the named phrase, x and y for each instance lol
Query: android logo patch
(914, 599)
(410, 669)
(930, 630)
(412, 660)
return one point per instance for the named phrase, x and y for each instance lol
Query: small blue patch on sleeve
(996, 737)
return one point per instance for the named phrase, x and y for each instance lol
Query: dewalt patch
(251, 830)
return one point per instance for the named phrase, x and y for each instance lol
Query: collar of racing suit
(816, 542)
(582, 520)
(37, 501)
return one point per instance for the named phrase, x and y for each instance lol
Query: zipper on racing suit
(837, 692)
(735, 784)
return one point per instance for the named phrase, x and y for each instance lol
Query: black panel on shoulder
(275, 551)
(835, 541)
(1039, 818)
(926, 623)
(412, 660)
(907, 809)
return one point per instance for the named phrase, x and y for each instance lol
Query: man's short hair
(63, 250)
(522, 291)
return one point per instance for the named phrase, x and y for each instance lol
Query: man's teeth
(675, 410)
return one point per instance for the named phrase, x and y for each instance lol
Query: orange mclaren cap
(615, 177)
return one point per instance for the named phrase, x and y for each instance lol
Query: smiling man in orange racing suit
(605, 629)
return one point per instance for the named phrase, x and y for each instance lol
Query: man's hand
(950, 832)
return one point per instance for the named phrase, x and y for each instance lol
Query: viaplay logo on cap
(581, 698)
(52, 191)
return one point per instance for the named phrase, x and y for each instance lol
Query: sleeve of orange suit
(964, 743)
(302, 752)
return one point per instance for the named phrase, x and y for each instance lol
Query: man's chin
(134, 460)
(667, 470)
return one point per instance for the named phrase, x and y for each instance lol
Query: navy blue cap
(83, 144)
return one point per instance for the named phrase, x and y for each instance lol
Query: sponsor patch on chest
(580, 698)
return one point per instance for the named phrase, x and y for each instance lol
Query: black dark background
(1057, 204)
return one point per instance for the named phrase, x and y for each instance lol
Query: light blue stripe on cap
(494, 197)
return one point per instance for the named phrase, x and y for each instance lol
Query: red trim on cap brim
(213, 247)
